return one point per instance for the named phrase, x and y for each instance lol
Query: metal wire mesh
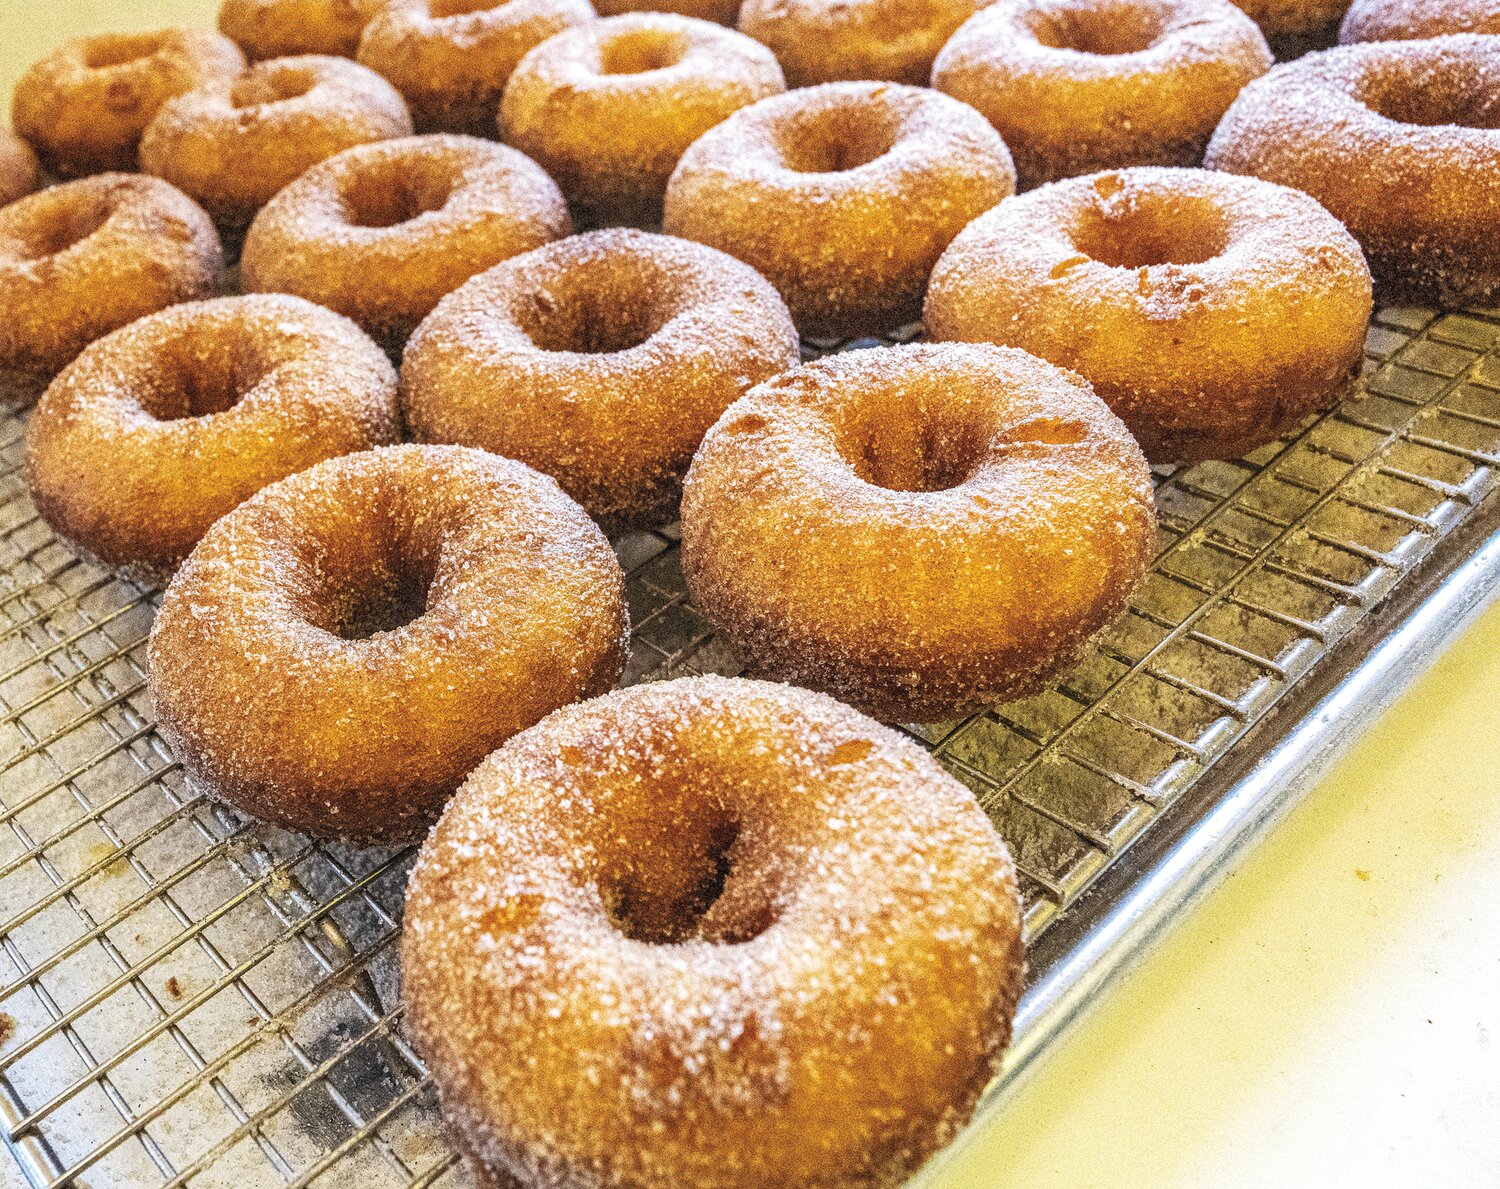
(192, 999)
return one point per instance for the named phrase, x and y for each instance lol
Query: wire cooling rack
(188, 998)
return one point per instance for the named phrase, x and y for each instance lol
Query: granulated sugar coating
(234, 144)
(277, 28)
(921, 531)
(84, 106)
(843, 196)
(1075, 86)
(1400, 20)
(382, 232)
(608, 108)
(1211, 312)
(340, 651)
(601, 360)
(155, 432)
(710, 934)
(84, 258)
(1400, 140)
(451, 58)
(818, 42)
(18, 167)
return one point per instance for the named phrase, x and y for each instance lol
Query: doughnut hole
(1155, 228)
(276, 82)
(189, 382)
(640, 51)
(925, 447)
(1107, 29)
(1459, 99)
(391, 191)
(579, 311)
(837, 139)
(56, 229)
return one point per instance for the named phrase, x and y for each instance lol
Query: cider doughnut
(843, 196)
(157, 430)
(608, 108)
(451, 58)
(1401, 142)
(710, 932)
(233, 145)
(85, 257)
(879, 524)
(1414, 20)
(85, 105)
(341, 649)
(382, 232)
(722, 12)
(18, 168)
(600, 360)
(281, 28)
(1293, 27)
(1074, 86)
(1211, 312)
(818, 42)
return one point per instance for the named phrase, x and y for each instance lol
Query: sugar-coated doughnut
(280, 28)
(451, 58)
(1412, 20)
(341, 650)
(1211, 312)
(723, 12)
(710, 932)
(234, 144)
(1075, 86)
(83, 258)
(1401, 142)
(818, 42)
(609, 107)
(381, 232)
(921, 531)
(842, 195)
(18, 167)
(601, 360)
(1293, 27)
(160, 428)
(85, 105)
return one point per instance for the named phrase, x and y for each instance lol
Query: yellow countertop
(1330, 1016)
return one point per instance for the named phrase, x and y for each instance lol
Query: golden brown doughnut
(84, 258)
(382, 232)
(921, 531)
(1293, 27)
(721, 11)
(280, 28)
(1401, 142)
(608, 108)
(819, 42)
(1074, 86)
(85, 105)
(1211, 312)
(601, 360)
(342, 648)
(1411, 20)
(451, 58)
(18, 167)
(843, 196)
(157, 430)
(711, 933)
(233, 145)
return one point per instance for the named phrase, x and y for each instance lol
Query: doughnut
(710, 932)
(381, 232)
(920, 531)
(160, 428)
(1401, 142)
(1293, 27)
(723, 12)
(1413, 20)
(344, 647)
(608, 108)
(842, 195)
(18, 167)
(1075, 86)
(85, 105)
(233, 145)
(85, 257)
(1212, 313)
(601, 360)
(819, 42)
(279, 28)
(451, 58)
